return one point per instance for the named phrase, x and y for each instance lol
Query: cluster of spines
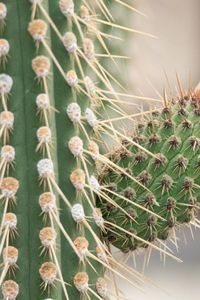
(171, 177)
(8, 185)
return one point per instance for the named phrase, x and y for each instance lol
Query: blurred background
(176, 23)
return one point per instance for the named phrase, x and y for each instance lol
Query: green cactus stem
(170, 179)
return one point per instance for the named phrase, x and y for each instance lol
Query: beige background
(177, 49)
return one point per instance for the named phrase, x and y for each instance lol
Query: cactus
(54, 120)
(50, 233)
(167, 182)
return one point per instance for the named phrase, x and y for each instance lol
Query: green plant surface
(59, 108)
(22, 102)
(170, 178)
(24, 140)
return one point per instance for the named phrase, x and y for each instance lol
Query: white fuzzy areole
(44, 134)
(72, 78)
(76, 146)
(70, 42)
(7, 153)
(42, 101)
(10, 222)
(41, 66)
(38, 30)
(78, 213)
(67, 7)
(4, 47)
(10, 259)
(45, 168)
(7, 119)
(47, 206)
(6, 83)
(10, 290)
(74, 112)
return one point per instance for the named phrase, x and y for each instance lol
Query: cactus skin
(23, 106)
(173, 136)
(22, 102)
(35, 175)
